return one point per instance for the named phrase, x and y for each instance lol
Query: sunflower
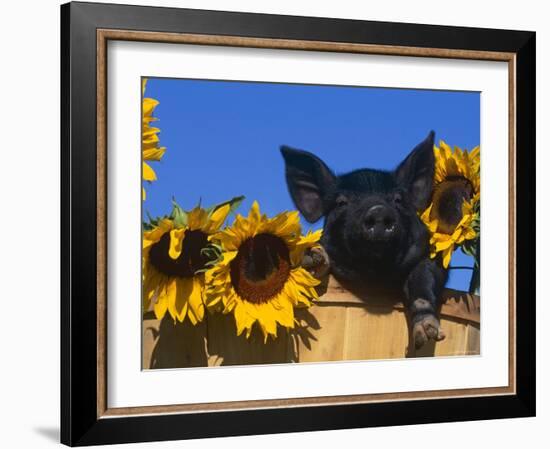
(177, 251)
(149, 138)
(259, 278)
(454, 212)
(445, 243)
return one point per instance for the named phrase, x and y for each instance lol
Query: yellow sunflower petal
(311, 237)
(154, 235)
(149, 105)
(268, 324)
(170, 293)
(241, 319)
(228, 239)
(217, 219)
(310, 240)
(450, 163)
(160, 307)
(297, 290)
(213, 300)
(285, 225)
(148, 173)
(196, 304)
(176, 242)
(180, 304)
(285, 316)
(149, 138)
(443, 244)
(153, 154)
(197, 219)
(254, 218)
(445, 148)
(470, 234)
(152, 283)
(447, 256)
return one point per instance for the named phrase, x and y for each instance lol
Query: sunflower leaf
(213, 254)
(151, 221)
(210, 253)
(216, 246)
(471, 248)
(467, 249)
(206, 267)
(178, 215)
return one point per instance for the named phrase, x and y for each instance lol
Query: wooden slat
(322, 339)
(341, 325)
(225, 347)
(375, 334)
(461, 305)
(172, 345)
(212, 343)
(150, 335)
(455, 340)
(456, 304)
(473, 345)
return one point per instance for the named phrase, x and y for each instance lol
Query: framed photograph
(280, 224)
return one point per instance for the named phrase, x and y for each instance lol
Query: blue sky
(223, 137)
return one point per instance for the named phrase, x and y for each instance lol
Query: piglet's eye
(341, 201)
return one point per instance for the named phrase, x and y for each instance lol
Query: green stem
(474, 281)
(476, 274)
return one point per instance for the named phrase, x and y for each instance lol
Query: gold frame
(103, 36)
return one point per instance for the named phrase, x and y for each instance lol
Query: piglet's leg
(423, 291)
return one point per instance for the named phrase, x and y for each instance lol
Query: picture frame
(86, 30)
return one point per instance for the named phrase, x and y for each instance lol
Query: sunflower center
(448, 198)
(189, 261)
(261, 268)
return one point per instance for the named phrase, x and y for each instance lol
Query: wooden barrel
(341, 325)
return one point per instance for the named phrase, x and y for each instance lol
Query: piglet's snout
(379, 223)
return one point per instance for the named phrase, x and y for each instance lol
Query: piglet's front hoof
(427, 328)
(316, 261)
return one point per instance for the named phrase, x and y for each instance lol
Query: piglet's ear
(416, 172)
(308, 179)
